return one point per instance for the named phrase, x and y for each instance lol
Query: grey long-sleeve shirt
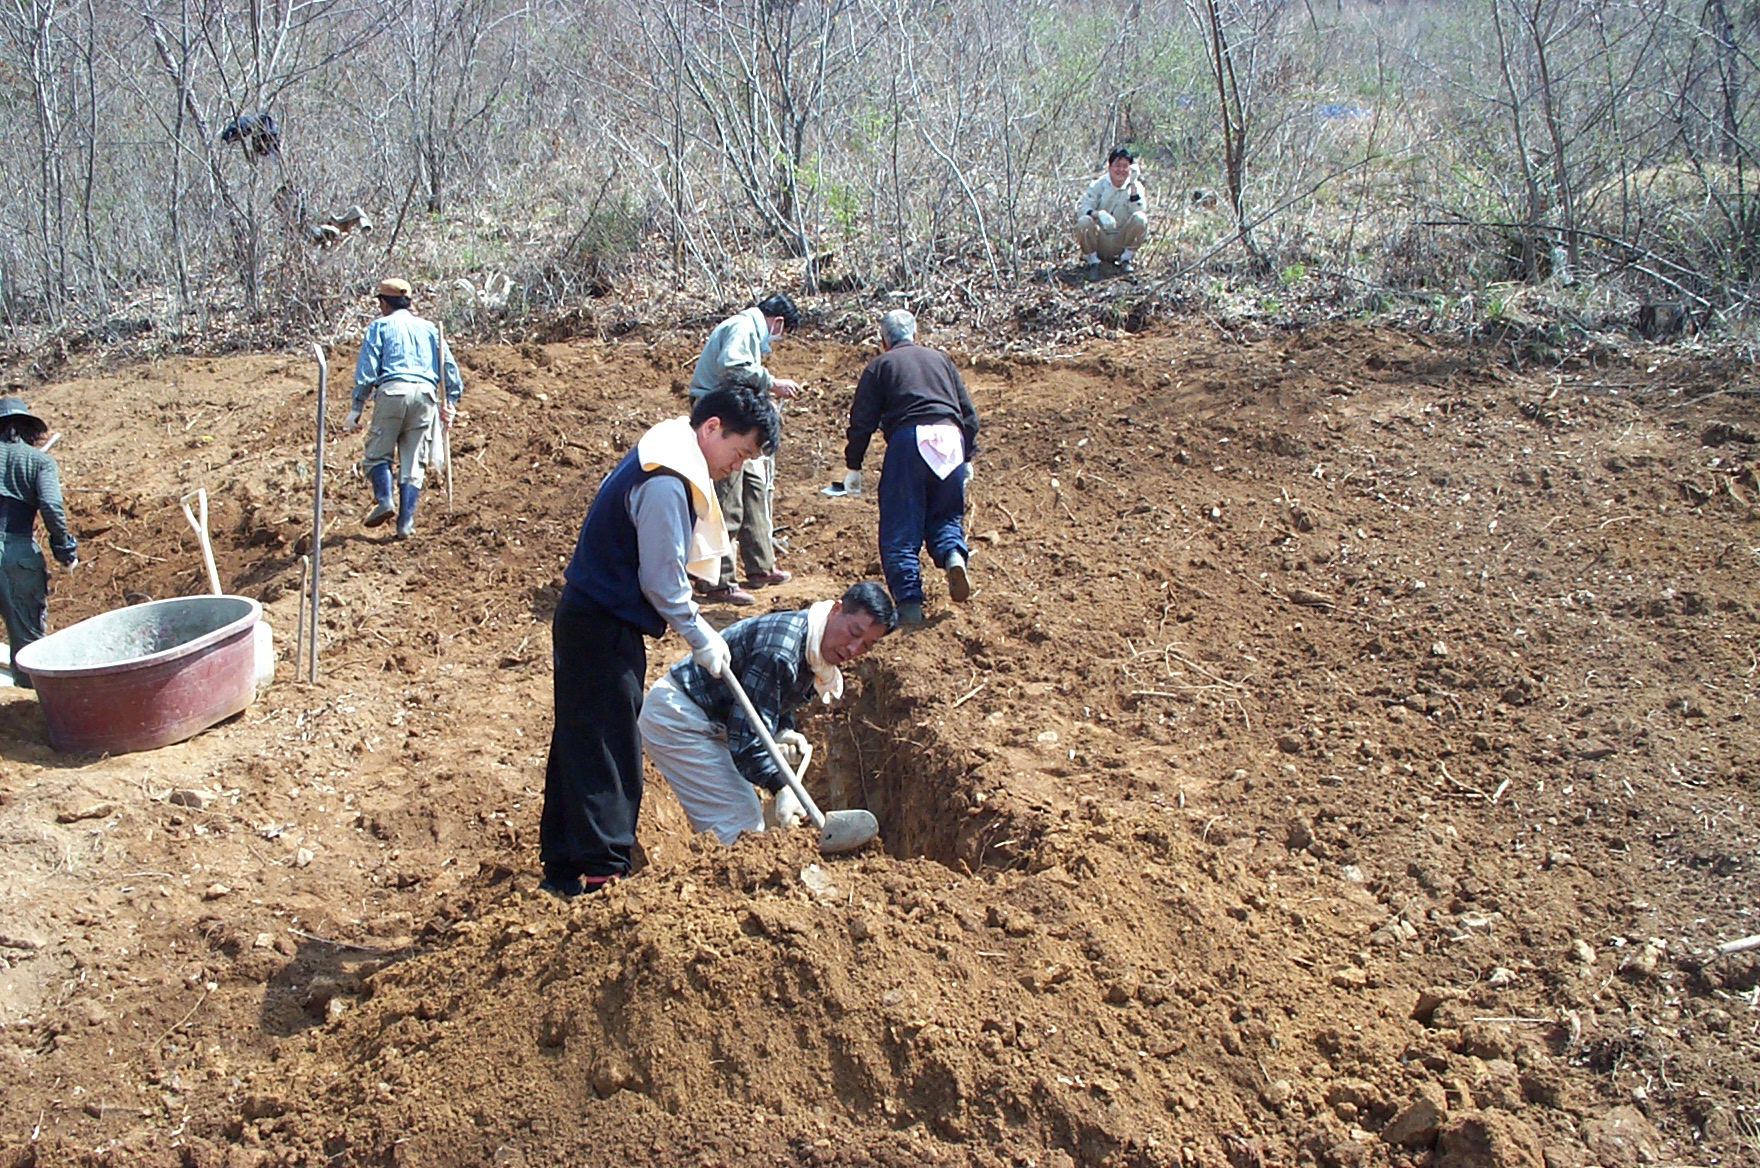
(734, 355)
(29, 482)
(660, 510)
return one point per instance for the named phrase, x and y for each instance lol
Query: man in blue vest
(654, 523)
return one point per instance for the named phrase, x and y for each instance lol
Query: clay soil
(1343, 760)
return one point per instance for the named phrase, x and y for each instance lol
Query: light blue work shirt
(402, 347)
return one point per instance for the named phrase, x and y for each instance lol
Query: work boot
(380, 479)
(730, 594)
(407, 495)
(959, 584)
(1092, 272)
(910, 612)
(1123, 265)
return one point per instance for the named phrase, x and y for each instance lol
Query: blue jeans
(917, 508)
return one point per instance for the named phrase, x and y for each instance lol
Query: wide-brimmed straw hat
(13, 407)
(393, 287)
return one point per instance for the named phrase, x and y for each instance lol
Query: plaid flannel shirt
(770, 659)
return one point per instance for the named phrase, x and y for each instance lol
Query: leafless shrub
(687, 156)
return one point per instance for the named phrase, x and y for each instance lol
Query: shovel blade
(845, 831)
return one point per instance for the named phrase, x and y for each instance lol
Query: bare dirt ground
(1343, 761)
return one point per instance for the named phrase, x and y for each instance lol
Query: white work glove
(1106, 221)
(851, 485)
(787, 809)
(714, 655)
(71, 564)
(353, 421)
(794, 749)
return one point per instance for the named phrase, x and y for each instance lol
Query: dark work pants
(593, 783)
(24, 596)
(917, 508)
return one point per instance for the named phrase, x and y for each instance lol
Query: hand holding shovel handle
(841, 831)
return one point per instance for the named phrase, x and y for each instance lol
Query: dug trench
(1343, 760)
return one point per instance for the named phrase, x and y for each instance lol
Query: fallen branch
(339, 944)
(185, 1018)
(1739, 946)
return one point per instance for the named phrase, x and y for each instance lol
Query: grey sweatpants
(691, 753)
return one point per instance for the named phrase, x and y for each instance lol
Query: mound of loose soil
(1343, 760)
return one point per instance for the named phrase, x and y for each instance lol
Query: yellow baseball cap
(393, 287)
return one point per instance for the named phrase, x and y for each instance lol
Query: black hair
(778, 304)
(1118, 152)
(396, 302)
(17, 429)
(741, 411)
(869, 597)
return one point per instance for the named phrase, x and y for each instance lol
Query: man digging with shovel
(700, 732)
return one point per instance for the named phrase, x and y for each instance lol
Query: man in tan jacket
(1112, 220)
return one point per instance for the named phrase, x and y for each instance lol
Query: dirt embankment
(1344, 761)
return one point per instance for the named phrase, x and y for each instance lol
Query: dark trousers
(917, 508)
(593, 783)
(24, 596)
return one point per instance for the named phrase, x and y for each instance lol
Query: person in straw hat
(401, 367)
(30, 485)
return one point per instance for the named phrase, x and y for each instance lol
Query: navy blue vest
(603, 576)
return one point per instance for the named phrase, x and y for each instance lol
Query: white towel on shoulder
(827, 678)
(672, 445)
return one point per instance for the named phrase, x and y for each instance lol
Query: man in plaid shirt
(699, 737)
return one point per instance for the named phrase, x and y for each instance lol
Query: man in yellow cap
(401, 367)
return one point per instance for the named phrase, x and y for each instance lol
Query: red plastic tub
(146, 676)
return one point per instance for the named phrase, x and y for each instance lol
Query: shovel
(840, 831)
(200, 523)
(262, 640)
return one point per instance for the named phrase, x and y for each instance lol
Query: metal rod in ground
(445, 438)
(317, 511)
(299, 627)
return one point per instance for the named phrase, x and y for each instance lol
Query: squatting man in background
(734, 355)
(915, 396)
(30, 485)
(702, 741)
(1112, 220)
(400, 368)
(654, 519)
